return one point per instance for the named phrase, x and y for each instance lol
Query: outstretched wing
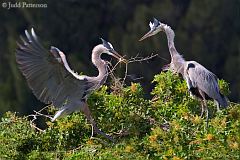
(203, 79)
(48, 73)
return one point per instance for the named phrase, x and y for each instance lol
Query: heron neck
(170, 37)
(176, 58)
(99, 63)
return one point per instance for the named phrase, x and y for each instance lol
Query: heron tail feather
(223, 101)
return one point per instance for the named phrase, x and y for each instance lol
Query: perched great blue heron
(52, 81)
(201, 82)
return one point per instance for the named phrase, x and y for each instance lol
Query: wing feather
(204, 80)
(50, 80)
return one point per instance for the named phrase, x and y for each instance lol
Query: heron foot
(207, 116)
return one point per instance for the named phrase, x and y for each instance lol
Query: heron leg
(218, 108)
(85, 109)
(203, 108)
(206, 110)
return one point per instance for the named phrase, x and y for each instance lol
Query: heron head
(155, 27)
(55, 52)
(110, 51)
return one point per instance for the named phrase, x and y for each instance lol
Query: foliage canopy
(165, 127)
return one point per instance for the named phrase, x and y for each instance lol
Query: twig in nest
(112, 68)
(164, 126)
(75, 149)
(34, 126)
(141, 59)
(100, 140)
(117, 85)
(40, 114)
(37, 114)
(154, 99)
(136, 59)
(163, 58)
(122, 133)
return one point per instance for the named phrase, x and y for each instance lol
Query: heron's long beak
(149, 34)
(118, 56)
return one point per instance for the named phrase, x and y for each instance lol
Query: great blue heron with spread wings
(52, 80)
(201, 82)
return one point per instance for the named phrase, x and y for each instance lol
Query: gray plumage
(52, 80)
(201, 82)
(204, 80)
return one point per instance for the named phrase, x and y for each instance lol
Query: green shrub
(166, 127)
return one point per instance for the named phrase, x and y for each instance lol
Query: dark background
(206, 31)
